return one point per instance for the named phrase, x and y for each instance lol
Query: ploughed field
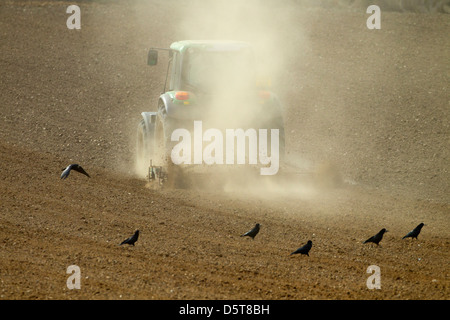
(375, 103)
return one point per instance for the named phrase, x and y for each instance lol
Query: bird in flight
(304, 249)
(415, 232)
(66, 171)
(377, 238)
(252, 233)
(131, 240)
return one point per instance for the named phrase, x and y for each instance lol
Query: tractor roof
(210, 45)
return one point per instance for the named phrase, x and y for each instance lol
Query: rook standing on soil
(131, 240)
(415, 232)
(304, 249)
(252, 233)
(377, 238)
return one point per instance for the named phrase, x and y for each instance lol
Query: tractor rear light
(264, 95)
(182, 95)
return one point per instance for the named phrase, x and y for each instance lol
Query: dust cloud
(345, 92)
(269, 29)
(278, 37)
(273, 29)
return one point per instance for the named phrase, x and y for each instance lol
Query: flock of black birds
(255, 230)
(307, 247)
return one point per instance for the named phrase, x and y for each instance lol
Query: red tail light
(182, 95)
(264, 95)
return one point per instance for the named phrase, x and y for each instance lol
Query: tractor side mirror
(152, 58)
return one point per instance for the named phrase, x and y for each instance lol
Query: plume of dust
(268, 27)
(275, 32)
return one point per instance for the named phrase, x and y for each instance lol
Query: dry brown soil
(373, 102)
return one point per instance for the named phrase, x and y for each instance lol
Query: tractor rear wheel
(143, 149)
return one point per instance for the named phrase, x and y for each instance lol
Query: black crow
(131, 240)
(377, 238)
(76, 167)
(252, 233)
(415, 232)
(304, 249)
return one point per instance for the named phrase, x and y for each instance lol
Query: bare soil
(375, 103)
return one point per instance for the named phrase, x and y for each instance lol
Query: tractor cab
(205, 67)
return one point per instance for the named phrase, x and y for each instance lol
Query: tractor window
(210, 71)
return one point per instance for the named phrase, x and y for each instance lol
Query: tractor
(214, 82)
